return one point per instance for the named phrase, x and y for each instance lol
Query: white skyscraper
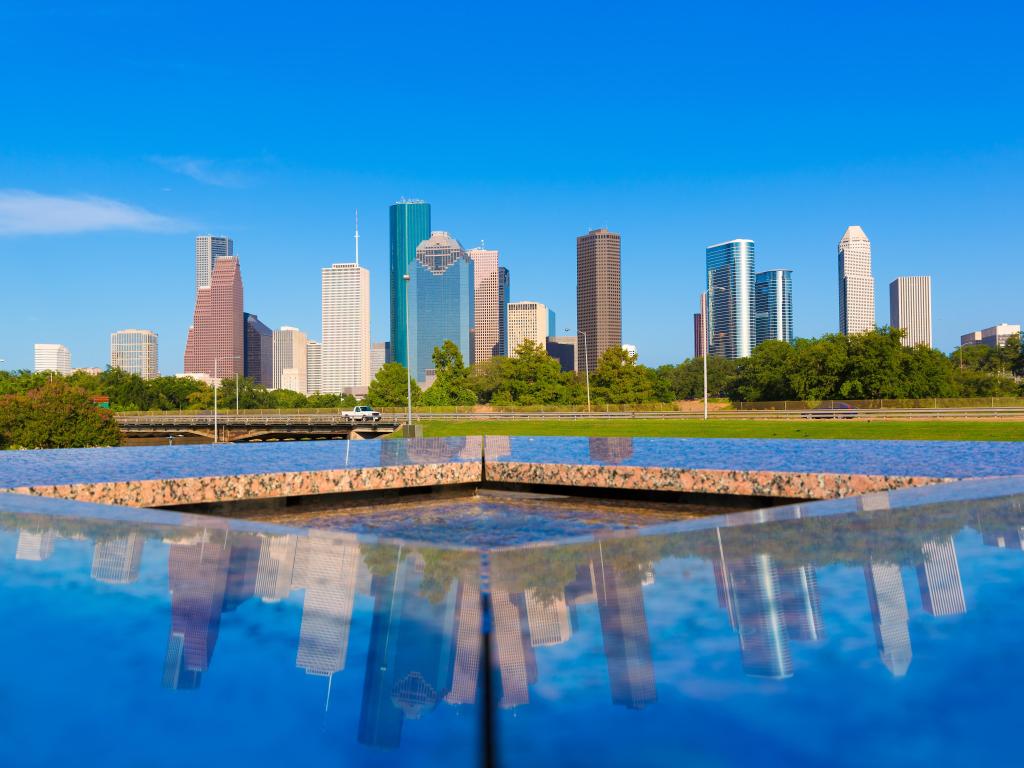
(910, 308)
(378, 357)
(526, 320)
(290, 355)
(346, 329)
(53, 357)
(314, 363)
(135, 351)
(856, 285)
(209, 248)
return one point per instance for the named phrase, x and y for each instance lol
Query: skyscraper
(258, 350)
(486, 303)
(314, 360)
(730, 290)
(598, 294)
(53, 357)
(216, 338)
(135, 351)
(118, 560)
(209, 248)
(441, 301)
(504, 286)
(856, 285)
(379, 352)
(910, 308)
(889, 615)
(938, 578)
(409, 226)
(773, 306)
(345, 309)
(563, 349)
(527, 320)
(700, 331)
(290, 359)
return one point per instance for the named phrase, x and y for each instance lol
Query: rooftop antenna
(357, 237)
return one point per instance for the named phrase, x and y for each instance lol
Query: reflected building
(889, 614)
(754, 598)
(801, 603)
(274, 569)
(117, 560)
(243, 566)
(513, 652)
(548, 619)
(35, 545)
(938, 578)
(580, 591)
(466, 666)
(610, 450)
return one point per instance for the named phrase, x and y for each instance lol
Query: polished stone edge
(197, 490)
(794, 485)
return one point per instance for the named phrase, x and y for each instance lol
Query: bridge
(246, 427)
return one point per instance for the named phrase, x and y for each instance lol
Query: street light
(586, 365)
(408, 359)
(705, 311)
(216, 381)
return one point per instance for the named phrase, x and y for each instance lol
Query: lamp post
(216, 381)
(705, 311)
(586, 365)
(408, 359)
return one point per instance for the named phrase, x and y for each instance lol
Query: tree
(531, 377)
(451, 387)
(620, 379)
(766, 374)
(56, 415)
(388, 388)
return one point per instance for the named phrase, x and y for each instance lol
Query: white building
(345, 312)
(856, 285)
(910, 308)
(135, 351)
(526, 320)
(290, 353)
(629, 349)
(996, 336)
(209, 248)
(53, 357)
(487, 304)
(378, 357)
(314, 357)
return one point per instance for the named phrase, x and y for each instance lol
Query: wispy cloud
(202, 170)
(29, 213)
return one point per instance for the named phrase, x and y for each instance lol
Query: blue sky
(128, 128)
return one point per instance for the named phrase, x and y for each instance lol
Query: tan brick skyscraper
(598, 295)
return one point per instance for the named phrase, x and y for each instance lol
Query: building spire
(357, 237)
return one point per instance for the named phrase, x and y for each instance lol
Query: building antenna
(357, 237)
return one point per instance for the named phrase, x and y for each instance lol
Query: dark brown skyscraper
(217, 330)
(598, 295)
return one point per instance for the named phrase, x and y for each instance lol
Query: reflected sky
(880, 633)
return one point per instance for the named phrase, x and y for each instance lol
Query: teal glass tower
(409, 226)
(773, 305)
(730, 275)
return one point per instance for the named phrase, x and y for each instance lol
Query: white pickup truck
(362, 413)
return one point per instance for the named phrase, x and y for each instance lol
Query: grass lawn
(855, 430)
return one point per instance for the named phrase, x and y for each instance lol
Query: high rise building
(379, 353)
(889, 614)
(856, 285)
(938, 578)
(290, 359)
(466, 665)
(53, 357)
(486, 303)
(730, 291)
(910, 308)
(996, 336)
(700, 331)
(345, 309)
(563, 349)
(215, 343)
(135, 351)
(409, 226)
(314, 370)
(118, 560)
(258, 351)
(275, 567)
(504, 286)
(547, 618)
(209, 248)
(773, 306)
(598, 294)
(441, 301)
(35, 545)
(526, 320)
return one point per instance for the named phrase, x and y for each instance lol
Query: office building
(258, 350)
(209, 248)
(409, 226)
(598, 294)
(290, 357)
(441, 301)
(345, 310)
(730, 291)
(504, 285)
(938, 578)
(700, 331)
(380, 353)
(630, 350)
(486, 304)
(275, 567)
(910, 308)
(215, 344)
(135, 351)
(889, 615)
(563, 349)
(35, 546)
(552, 321)
(117, 560)
(773, 306)
(856, 285)
(526, 320)
(996, 336)
(314, 358)
(547, 618)
(466, 665)
(53, 357)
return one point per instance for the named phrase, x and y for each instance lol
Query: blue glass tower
(730, 284)
(440, 301)
(773, 305)
(409, 226)
(503, 289)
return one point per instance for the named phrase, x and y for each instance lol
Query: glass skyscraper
(441, 301)
(409, 226)
(773, 305)
(504, 284)
(730, 285)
